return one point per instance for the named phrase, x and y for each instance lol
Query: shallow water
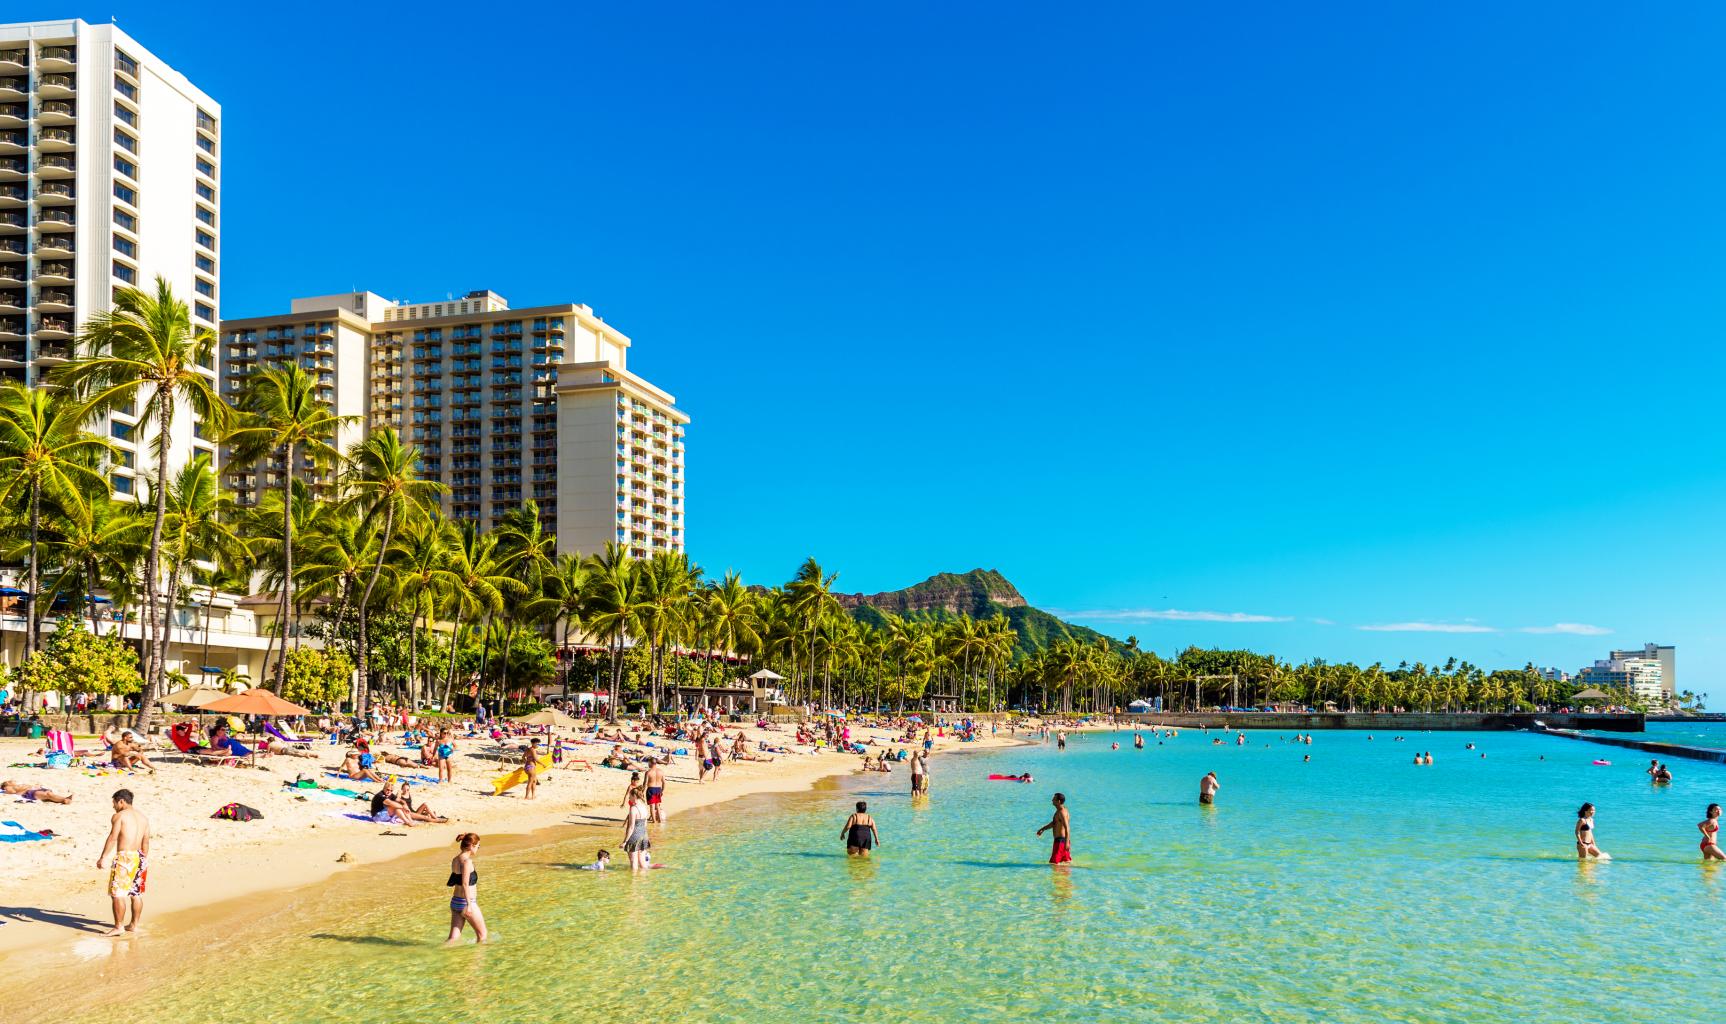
(1690, 734)
(1356, 887)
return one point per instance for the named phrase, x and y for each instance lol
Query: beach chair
(285, 734)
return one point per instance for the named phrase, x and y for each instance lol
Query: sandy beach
(58, 895)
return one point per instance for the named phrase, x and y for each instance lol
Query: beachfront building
(1642, 676)
(504, 404)
(1665, 654)
(110, 176)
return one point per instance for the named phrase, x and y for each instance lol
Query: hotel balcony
(49, 273)
(55, 245)
(11, 275)
(12, 301)
(13, 115)
(58, 165)
(13, 222)
(13, 61)
(55, 192)
(56, 112)
(56, 140)
(11, 141)
(56, 300)
(12, 354)
(56, 217)
(11, 328)
(56, 87)
(56, 58)
(12, 87)
(13, 249)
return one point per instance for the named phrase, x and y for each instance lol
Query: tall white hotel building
(110, 176)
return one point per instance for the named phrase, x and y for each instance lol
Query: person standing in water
(1208, 787)
(1710, 826)
(1138, 740)
(919, 773)
(1061, 739)
(1586, 846)
(464, 901)
(635, 841)
(129, 842)
(1061, 825)
(859, 832)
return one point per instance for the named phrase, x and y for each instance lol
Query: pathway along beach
(1355, 886)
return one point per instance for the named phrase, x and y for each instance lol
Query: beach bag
(238, 812)
(59, 759)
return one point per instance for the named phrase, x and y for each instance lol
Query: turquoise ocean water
(1356, 887)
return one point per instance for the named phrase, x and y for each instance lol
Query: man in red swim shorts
(1062, 852)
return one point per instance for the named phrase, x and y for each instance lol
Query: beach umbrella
(548, 716)
(256, 701)
(193, 697)
(835, 714)
(767, 675)
(1590, 694)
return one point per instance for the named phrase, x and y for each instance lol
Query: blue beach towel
(12, 832)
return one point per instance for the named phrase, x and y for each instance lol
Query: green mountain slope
(981, 594)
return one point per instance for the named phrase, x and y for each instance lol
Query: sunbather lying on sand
(33, 792)
(276, 746)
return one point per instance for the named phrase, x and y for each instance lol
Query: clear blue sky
(1375, 315)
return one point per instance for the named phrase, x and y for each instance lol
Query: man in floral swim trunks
(129, 841)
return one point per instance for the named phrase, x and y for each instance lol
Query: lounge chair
(182, 736)
(285, 734)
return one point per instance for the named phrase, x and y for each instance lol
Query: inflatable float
(1599, 761)
(1009, 778)
(504, 783)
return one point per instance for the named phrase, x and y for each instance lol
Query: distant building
(1554, 675)
(1665, 654)
(1642, 676)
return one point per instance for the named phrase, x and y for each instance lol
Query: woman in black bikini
(464, 901)
(859, 832)
(1586, 847)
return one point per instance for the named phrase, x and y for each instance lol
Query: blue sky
(1316, 319)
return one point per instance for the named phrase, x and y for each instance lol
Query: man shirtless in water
(1061, 825)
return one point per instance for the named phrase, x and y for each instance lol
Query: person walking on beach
(464, 901)
(635, 841)
(655, 784)
(1208, 787)
(129, 842)
(859, 832)
(1061, 825)
(1710, 826)
(1586, 846)
(530, 767)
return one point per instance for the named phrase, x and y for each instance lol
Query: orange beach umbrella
(256, 701)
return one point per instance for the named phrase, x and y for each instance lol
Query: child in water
(601, 862)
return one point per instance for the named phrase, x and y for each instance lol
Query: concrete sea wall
(1392, 722)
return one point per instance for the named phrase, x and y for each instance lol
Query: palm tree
(811, 594)
(566, 589)
(44, 451)
(199, 527)
(669, 581)
(482, 580)
(145, 353)
(529, 554)
(281, 414)
(424, 580)
(92, 546)
(729, 614)
(384, 476)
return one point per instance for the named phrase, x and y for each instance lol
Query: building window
(206, 122)
(206, 312)
(125, 166)
(125, 220)
(125, 113)
(204, 215)
(206, 168)
(123, 457)
(126, 141)
(206, 193)
(205, 288)
(125, 247)
(124, 194)
(125, 88)
(122, 484)
(205, 263)
(125, 273)
(120, 431)
(206, 145)
(124, 62)
(207, 240)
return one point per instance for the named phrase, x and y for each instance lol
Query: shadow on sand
(75, 922)
(365, 940)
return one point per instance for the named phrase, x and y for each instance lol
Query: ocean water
(1356, 887)
(1691, 734)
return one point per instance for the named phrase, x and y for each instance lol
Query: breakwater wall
(1654, 747)
(1390, 721)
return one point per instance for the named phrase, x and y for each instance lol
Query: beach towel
(12, 832)
(237, 812)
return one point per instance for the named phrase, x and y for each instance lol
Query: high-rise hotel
(504, 404)
(110, 175)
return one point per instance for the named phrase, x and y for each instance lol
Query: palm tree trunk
(454, 645)
(616, 678)
(32, 614)
(209, 607)
(156, 644)
(287, 566)
(414, 658)
(365, 609)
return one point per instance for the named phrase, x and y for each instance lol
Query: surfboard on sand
(504, 783)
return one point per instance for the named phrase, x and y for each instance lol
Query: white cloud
(1428, 627)
(1572, 628)
(1322, 622)
(1168, 614)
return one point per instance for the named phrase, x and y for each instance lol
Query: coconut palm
(384, 478)
(613, 609)
(424, 582)
(90, 545)
(44, 452)
(281, 415)
(810, 593)
(481, 582)
(145, 353)
(729, 617)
